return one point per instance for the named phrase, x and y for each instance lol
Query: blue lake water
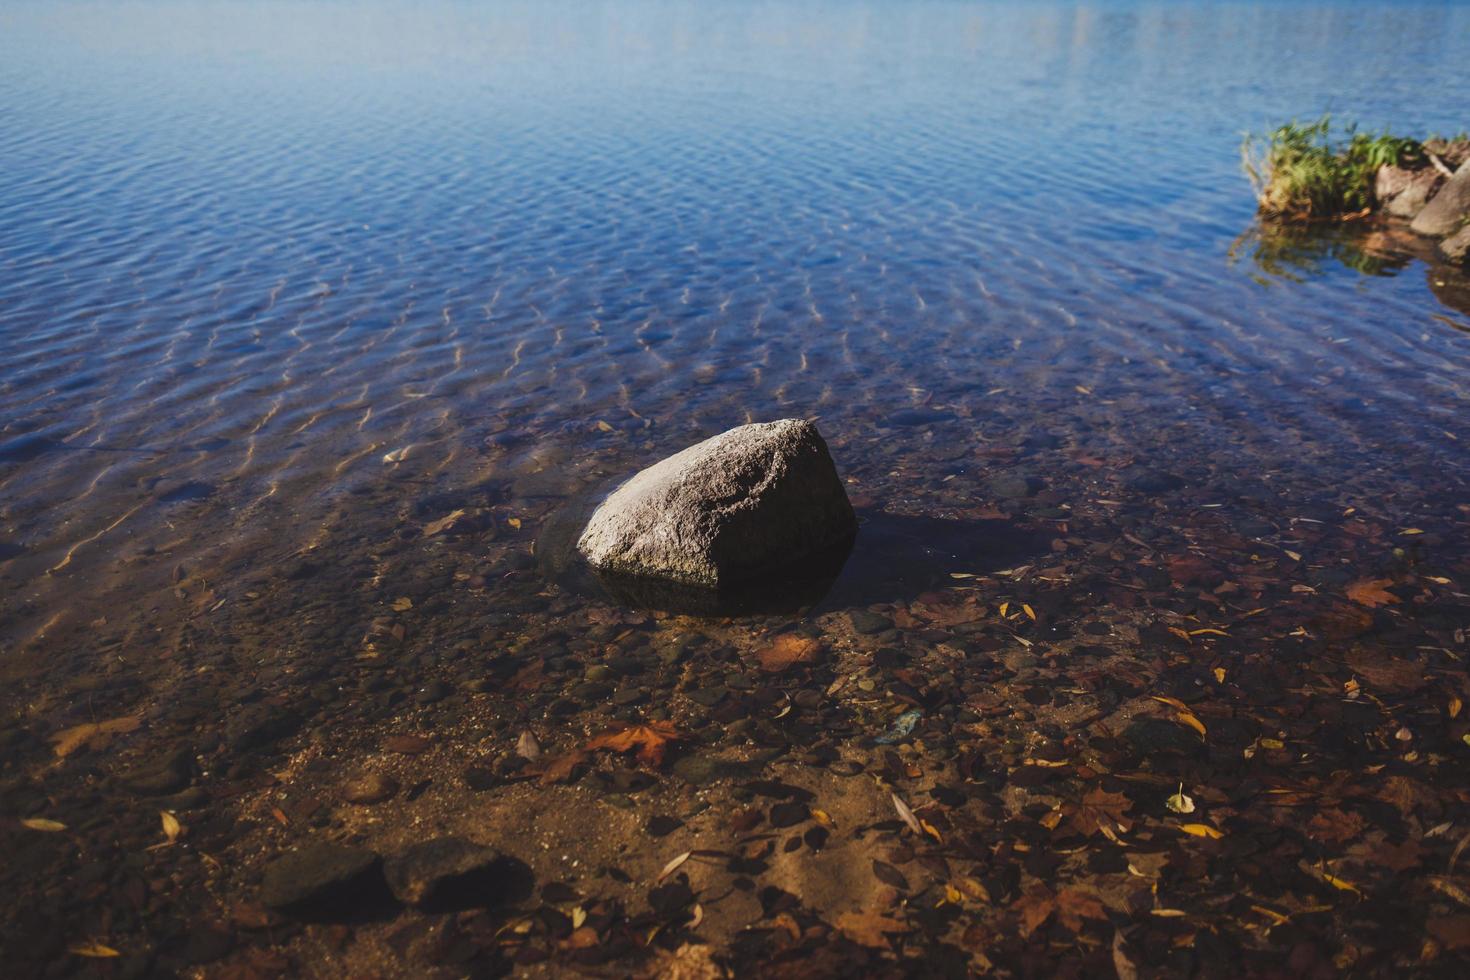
(274, 253)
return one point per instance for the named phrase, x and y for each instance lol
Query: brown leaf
(1451, 930)
(869, 928)
(1375, 850)
(1385, 672)
(444, 523)
(94, 734)
(1343, 622)
(1035, 907)
(787, 651)
(558, 769)
(650, 740)
(1075, 904)
(1335, 825)
(1099, 811)
(1371, 592)
(946, 609)
(1122, 965)
(889, 875)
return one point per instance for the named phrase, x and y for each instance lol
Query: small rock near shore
(316, 877)
(1447, 210)
(370, 788)
(448, 871)
(724, 510)
(1402, 192)
(1456, 248)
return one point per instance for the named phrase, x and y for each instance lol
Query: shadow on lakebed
(892, 557)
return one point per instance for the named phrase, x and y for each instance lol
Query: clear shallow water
(274, 275)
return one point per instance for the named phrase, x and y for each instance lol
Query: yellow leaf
(1201, 830)
(1342, 884)
(673, 865)
(1193, 722)
(1219, 675)
(514, 522)
(824, 818)
(952, 895)
(974, 888)
(1455, 705)
(402, 605)
(71, 739)
(603, 426)
(1272, 743)
(1276, 917)
(1209, 631)
(1029, 611)
(1168, 913)
(1411, 530)
(1003, 607)
(1180, 803)
(579, 916)
(94, 950)
(1171, 702)
(434, 527)
(929, 829)
(42, 824)
(171, 826)
(1292, 555)
(1438, 580)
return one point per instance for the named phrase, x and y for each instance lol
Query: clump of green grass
(1302, 171)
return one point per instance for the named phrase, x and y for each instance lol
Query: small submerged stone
(369, 789)
(316, 877)
(450, 871)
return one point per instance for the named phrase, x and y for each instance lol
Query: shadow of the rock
(893, 557)
(786, 589)
(506, 881)
(898, 557)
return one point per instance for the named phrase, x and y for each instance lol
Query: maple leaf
(946, 609)
(1371, 592)
(650, 740)
(1100, 811)
(787, 651)
(1335, 825)
(1035, 907)
(1076, 904)
(869, 928)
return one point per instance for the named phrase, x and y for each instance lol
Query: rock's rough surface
(445, 868)
(369, 789)
(1448, 209)
(724, 510)
(317, 876)
(1456, 248)
(1402, 192)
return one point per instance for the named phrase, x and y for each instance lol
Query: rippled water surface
(283, 286)
(258, 258)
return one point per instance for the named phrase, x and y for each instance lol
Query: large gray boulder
(1402, 192)
(725, 510)
(1447, 210)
